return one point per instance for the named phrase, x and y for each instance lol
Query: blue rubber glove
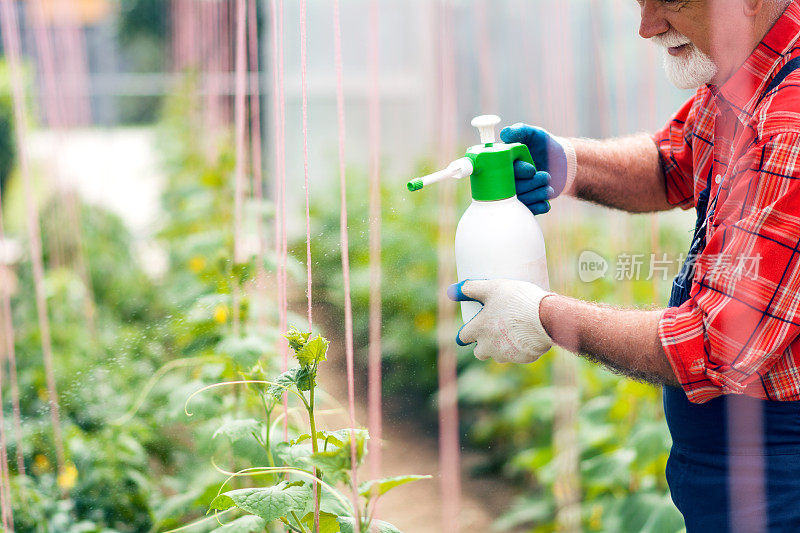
(555, 169)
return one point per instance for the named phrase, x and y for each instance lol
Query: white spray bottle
(497, 237)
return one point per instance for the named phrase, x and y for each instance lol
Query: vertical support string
(5, 480)
(485, 64)
(345, 246)
(304, 91)
(215, 71)
(175, 34)
(449, 441)
(255, 110)
(10, 354)
(374, 408)
(565, 375)
(52, 104)
(651, 116)
(622, 127)
(600, 68)
(257, 186)
(530, 83)
(281, 247)
(59, 120)
(11, 44)
(225, 66)
(8, 336)
(209, 42)
(75, 63)
(5, 483)
(284, 216)
(240, 126)
(192, 43)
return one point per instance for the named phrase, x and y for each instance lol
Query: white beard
(689, 70)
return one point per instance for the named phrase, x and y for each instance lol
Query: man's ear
(751, 8)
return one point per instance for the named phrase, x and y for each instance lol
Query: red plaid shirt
(738, 333)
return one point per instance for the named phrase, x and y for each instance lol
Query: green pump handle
(493, 175)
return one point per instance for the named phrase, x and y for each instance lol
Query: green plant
(318, 459)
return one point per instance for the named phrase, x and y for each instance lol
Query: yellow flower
(68, 477)
(43, 394)
(596, 519)
(40, 463)
(197, 263)
(221, 314)
(424, 322)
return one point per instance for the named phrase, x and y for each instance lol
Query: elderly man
(726, 350)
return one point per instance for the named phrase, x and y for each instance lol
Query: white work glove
(508, 328)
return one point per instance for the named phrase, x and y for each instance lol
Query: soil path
(409, 448)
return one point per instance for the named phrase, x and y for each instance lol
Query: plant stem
(299, 523)
(314, 445)
(290, 526)
(268, 413)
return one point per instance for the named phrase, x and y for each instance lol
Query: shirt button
(718, 179)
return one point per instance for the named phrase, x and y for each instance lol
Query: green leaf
(222, 503)
(340, 436)
(298, 377)
(302, 438)
(245, 524)
(528, 511)
(293, 454)
(239, 429)
(379, 487)
(328, 522)
(271, 503)
(347, 525)
(242, 272)
(336, 464)
(313, 352)
(331, 504)
(336, 438)
(257, 373)
(245, 351)
(297, 339)
(665, 519)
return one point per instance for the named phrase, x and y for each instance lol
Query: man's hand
(554, 158)
(508, 328)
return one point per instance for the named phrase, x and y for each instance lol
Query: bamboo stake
(11, 43)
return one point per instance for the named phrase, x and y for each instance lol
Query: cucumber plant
(309, 475)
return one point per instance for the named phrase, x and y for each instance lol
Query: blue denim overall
(735, 460)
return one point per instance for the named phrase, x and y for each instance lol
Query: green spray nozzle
(415, 184)
(490, 165)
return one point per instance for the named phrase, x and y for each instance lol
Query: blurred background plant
(160, 321)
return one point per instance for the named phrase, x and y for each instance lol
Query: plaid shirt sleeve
(738, 323)
(674, 144)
